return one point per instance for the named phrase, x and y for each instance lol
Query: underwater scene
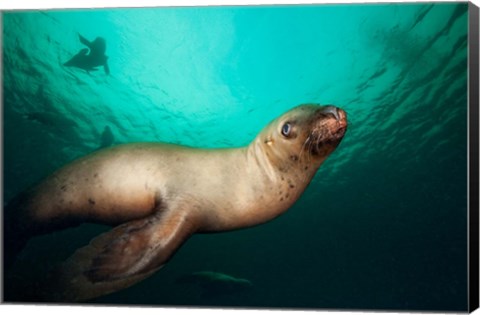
(381, 225)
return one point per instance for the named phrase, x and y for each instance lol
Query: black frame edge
(473, 215)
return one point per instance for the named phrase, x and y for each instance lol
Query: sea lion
(214, 284)
(50, 119)
(106, 138)
(158, 195)
(90, 60)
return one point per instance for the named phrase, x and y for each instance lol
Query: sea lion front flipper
(106, 68)
(121, 257)
(85, 41)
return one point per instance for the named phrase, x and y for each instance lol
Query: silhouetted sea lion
(157, 195)
(107, 137)
(50, 119)
(89, 60)
(214, 284)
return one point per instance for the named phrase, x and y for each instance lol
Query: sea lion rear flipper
(121, 257)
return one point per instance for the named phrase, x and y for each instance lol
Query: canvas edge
(473, 215)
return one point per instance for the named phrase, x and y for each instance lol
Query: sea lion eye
(286, 129)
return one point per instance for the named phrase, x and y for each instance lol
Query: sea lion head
(98, 46)
(305, 135)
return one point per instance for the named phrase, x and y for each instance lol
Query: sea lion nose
(329, 109)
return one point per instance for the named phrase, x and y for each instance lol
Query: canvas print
(303, 156)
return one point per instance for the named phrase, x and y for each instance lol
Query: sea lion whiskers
(320, 135)
(308, 155)
(302, 149)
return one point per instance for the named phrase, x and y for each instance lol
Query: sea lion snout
(338, 113)
(336, 119)
(330, 109)
(341, 117)
(328, 129)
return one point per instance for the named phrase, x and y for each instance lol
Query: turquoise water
(383, 224)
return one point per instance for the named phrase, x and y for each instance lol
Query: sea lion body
(157, 195)
(147, 175)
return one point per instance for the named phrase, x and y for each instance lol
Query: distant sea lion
(214, 284)
(90, 60)
(158, 195)
(50, 119)
(107, 137)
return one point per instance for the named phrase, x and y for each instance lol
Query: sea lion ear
(268, 140)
